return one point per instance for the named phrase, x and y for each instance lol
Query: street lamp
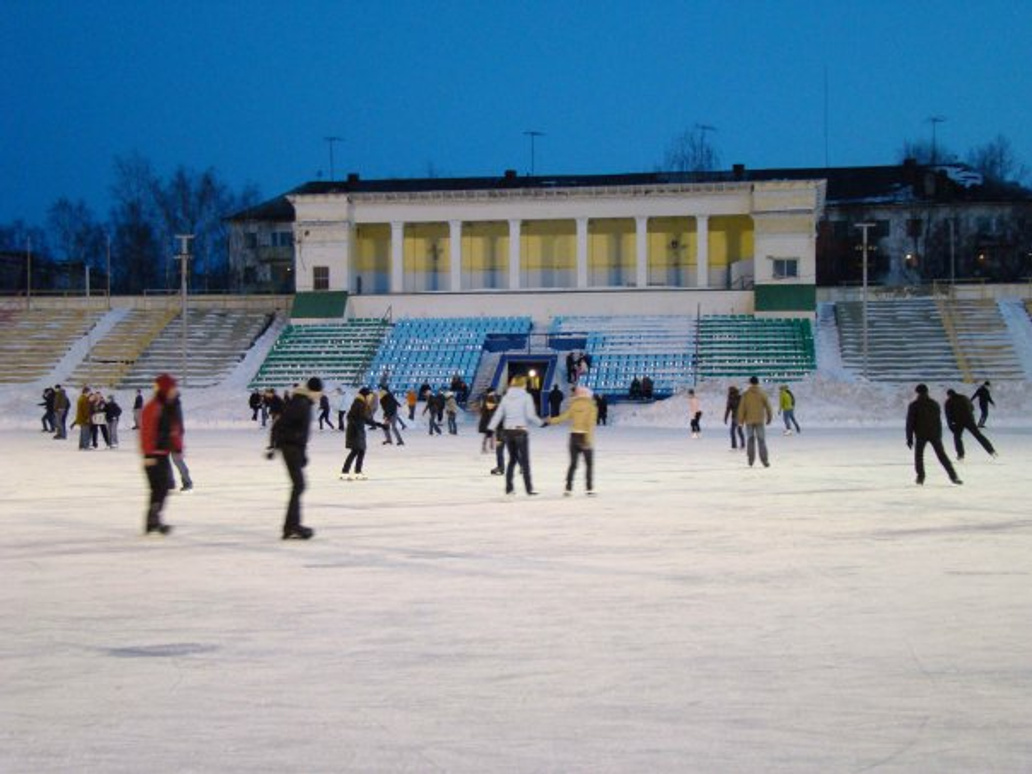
(865, 227)
(184, 257)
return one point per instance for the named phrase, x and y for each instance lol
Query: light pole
(89, 338)
(28, 273)
(184, 257)
(953, 262)
(330, 141)
(108, 271)
(533, 134)
(935, 121)
(865, 227)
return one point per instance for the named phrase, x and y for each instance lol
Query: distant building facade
(538, 234)
(778, 232)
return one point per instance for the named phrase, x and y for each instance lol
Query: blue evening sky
(253, 88)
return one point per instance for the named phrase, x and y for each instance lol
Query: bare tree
(997, 161)
(692, 151)
(75, 235)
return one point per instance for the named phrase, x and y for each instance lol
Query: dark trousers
(158, 474)
(940, 452)
(294, 458)
(518, 445)
(324, 416)
(579, 448)
(695, 422)
(356, 456)
(737, 435)
(983, 414)
(103, 431)
(958, 442)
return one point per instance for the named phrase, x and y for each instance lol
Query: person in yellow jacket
(82, 419)
(754, 413)
(582, 414)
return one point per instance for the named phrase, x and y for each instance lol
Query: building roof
(845, 185)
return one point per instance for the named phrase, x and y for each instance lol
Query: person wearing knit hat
(290, 436)
(924, 426)
(161, 435)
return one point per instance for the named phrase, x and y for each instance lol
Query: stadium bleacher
(743, 346)
(434, 350)
(625, 348)
(336, 352)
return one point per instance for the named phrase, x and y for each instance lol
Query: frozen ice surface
(821, 615)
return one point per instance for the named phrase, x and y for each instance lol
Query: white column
(641, 245)
(347, 269)
(582, 252)
(397, 257)
(702, 251)
(455, 254)
(514, 254)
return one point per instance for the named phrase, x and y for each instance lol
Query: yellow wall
(663, 231)
(548, 244)
(730, 239)
(485, 246)
(372, 248)
(611, 243)
(419, 242)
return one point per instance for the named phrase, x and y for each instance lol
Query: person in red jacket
(161, 434)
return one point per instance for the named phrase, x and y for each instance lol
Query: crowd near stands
(435, 351)
(642, 357)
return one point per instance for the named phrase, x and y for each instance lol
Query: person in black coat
(960, 416)
(555, 401)
(255, 403)
(389, 405)
(924, 426)
(359, 417)
(985, 400)
(290, 437)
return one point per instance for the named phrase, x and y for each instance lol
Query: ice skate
(298, 533)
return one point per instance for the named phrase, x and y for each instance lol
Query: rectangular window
(250, 240)
(282, 238)
(786, 268)
(320, 278)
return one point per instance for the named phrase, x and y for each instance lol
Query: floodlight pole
(89, 337)
(108, 271)
(184, 257)
(28, 273)
(533, 134)
(865, 227)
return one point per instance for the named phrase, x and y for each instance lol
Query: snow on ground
(824, 614)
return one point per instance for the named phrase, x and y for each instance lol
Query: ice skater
(518, 412)
(582, 414)
(960, 416)
(360, 416)
(755, 414)
(985, 400)
(734, 397)
(695, 413)
(924, 426)
(290, 437)
(161, 434)
(786, 407)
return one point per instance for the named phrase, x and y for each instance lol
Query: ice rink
(822, 615)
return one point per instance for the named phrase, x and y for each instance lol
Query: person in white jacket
(516, 412)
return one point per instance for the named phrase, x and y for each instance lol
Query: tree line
(137, 238)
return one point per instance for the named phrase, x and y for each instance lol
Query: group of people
(924, 426)
(641, 389)
(504, 423)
